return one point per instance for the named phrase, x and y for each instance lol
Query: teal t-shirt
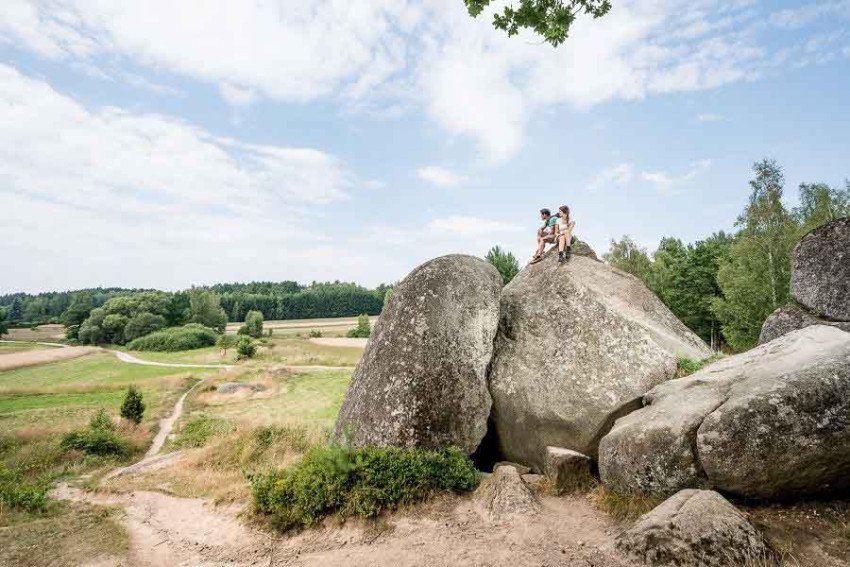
(551, 222)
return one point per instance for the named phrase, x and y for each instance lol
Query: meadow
(221, 437)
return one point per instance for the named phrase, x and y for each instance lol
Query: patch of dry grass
(622, 507)
(68, 534)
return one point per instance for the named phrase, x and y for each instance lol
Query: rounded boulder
(422, 379)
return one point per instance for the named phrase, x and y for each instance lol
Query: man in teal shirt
(545, 234)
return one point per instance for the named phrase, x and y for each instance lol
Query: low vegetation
(337, 480)
(175, 339)
(363, 329)
(99, 438)
(253, 326)
(687, 366)
(622, 507)
(133, 406)
(245, 348)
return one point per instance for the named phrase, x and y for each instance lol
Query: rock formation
(503, 495)
(578, 346)
(820, 283)
(697, 528)
(422, 379)
(773, 422)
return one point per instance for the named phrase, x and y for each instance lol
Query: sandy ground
(340, 342)
(450, 531)
(166, 530)
(42, 356)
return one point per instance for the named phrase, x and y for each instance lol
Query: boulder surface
(503, 495)
(773, 422)
(820, 278)
(578, 345)
(696, 528)
(422, 379)
(791, 318)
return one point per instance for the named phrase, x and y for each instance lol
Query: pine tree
(504, 262)
(133, 407)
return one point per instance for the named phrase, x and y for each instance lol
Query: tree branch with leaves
(551, 19)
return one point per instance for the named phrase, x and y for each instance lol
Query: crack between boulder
(692, 441)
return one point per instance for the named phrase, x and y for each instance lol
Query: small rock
(521, 469)
(696, 528)
(504, 495)
(533, 480)
(568, 470)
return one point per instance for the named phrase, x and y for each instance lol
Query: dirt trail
(39, 356)
(167, 530)
(129, 358)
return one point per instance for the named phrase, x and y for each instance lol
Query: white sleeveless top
(564, 226)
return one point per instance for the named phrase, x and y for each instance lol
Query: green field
(286, 350)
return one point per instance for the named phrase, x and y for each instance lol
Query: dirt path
(39, 356)
(129, 358)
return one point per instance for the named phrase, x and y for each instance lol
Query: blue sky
(164, 144)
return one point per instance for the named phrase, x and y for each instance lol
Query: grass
(289, 350)
(46, 333)
(67, 534)
(289, 398)
(622, 507)
(687, 366)
(9, 348)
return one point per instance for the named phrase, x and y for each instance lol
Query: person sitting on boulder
(545, 234)
(564, 233)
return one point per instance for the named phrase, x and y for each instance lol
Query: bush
(254, 324)
(245, 348)
(362, 482)
(143, 324)
(687, 366)
(315, 334)
(21, 493)
(362, 330)
(133, 408)
(187, 337)
(99, 439)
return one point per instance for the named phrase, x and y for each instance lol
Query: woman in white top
(564, 233)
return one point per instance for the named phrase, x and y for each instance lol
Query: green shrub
(254, 324)
(143, 324)
(362, 482)
(245, 348)
(687, 366)
(187, 337)
(99, 439)
(315, 334)
(362, 330)
(22, 493)
(133, 408)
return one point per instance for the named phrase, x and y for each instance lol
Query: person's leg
(562, 242)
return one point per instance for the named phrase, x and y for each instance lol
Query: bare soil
(35, 357)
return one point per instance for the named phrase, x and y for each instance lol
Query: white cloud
(710, 117)
(163, 199)
(440, 176)
(620, 175)
(386, 55)
(667, 183)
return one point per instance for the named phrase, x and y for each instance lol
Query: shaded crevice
(488, 452)
(622, 411)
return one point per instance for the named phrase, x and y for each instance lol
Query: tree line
(724, 286)
(275, 300)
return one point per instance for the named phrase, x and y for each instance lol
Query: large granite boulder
(422, 379)
(791, 318)
(820, 279)
(773, 422)
(697, 528)
(578, 346)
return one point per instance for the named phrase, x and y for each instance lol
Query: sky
(166, 144)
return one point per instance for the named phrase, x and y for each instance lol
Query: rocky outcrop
(820, 279)
(791, 318)
(820, 282)
(578, 345)
(422, 379)
(504, 495)
(567, 470)
(773, 422)
(696, 528)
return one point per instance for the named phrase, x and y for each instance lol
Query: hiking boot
(567, 253)
(562, 257)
